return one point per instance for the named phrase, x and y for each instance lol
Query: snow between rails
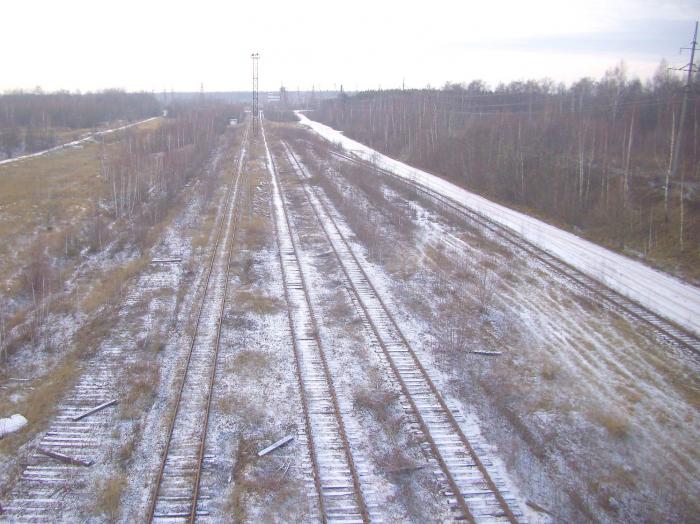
(667, 296)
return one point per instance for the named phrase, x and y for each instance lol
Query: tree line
(594, 157)
(29, 121)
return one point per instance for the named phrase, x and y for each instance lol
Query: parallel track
(473, 492)
(336, 477)
(667, 329)
(176, 494)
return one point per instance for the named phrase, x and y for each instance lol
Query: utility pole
(256, 111)
(690, 67)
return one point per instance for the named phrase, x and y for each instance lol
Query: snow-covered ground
(578, 399)
(676, 300)
(76, 142)
(344, 359)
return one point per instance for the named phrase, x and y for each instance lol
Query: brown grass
(38, 403)
(258, 302)
(258, 480)
(111, 286)
(235, 506)
(108, 496)
(201, 238)
(249, 360)
(257, 233)
(549, 370)
(613, 420)
(139, 382)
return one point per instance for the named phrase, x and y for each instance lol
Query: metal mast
(256, 109)
(688, 87)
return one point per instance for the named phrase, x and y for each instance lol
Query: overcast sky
(157, 45)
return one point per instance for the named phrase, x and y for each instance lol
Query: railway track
(668, 330)
(474, 493)
(175, 496)
(337, 474)
(50, 490)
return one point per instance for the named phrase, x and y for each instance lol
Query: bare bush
(484, 289)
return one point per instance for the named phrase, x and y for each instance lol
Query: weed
(108, 496)
(614, 421)
(258, 302)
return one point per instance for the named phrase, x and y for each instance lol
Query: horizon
(313, 45)
(630, 76)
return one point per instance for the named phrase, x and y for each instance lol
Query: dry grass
(40, 398)
(126, 450)
(549, 369)
(257, 233)
(65, 183)
(614, 421)
(258, 481)
(379, 403)
(201, 238)
(249, 360)
(111, 286)
(48, 195)
(257, 302)
(39, 402)
(436, 257)
(235, 505)
(249, 366)
(138, 384)
(108, 496)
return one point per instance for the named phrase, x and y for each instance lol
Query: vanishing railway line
(176, 493)
(474, 493)
(667, 329)
(336, 472)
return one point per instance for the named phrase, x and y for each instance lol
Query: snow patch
(668, 296)
(12, 424)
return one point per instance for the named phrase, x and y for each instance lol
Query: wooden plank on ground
(276, 445)
(94, 410)
(65, 458)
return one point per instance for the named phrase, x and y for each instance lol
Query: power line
(256, 110)
(527, 109)
(690, 67)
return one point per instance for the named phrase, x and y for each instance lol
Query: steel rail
(231, 192)
(336, 406)
(677, 334)
(447, 412)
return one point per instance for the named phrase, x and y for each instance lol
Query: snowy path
(76, 142)
(661, 293)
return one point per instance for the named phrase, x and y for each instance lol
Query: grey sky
(156, 45)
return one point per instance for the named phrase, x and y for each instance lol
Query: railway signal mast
(256, 110)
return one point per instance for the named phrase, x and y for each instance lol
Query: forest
(32, 121)
(594, 157)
